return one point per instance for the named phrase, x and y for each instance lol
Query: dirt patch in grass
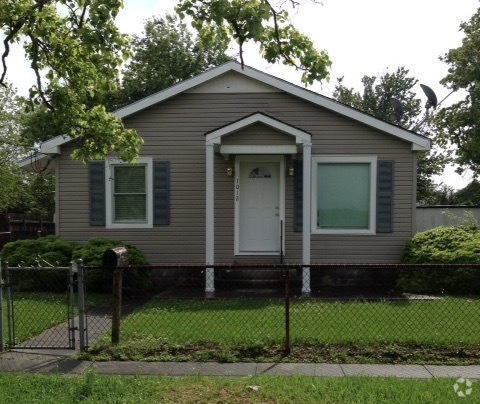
(206, 393)
(161, 350)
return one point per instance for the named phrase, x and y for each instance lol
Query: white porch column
(210, 221)
(307, 170)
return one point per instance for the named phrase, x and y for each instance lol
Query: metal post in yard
(81, 305)
(287, 310)
(117, 304)
(115, 259)
(8, 290)
(2, 344)
(71, 329)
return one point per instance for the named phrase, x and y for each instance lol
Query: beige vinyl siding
(175, 130)
(258, 135)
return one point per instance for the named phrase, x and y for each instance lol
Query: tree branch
(277, 36)
(14, 30)
(36, 69)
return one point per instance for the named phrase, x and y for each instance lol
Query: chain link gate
(42, 307)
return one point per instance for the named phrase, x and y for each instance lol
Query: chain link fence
(269, 305)
(37, 307)
(177, 308)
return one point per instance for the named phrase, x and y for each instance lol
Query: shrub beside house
(441, 247)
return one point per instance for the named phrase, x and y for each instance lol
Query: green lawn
(35, 312)
(446, 322)
(432, 331)
(93, 388)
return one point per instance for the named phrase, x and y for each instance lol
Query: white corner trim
(210, 206)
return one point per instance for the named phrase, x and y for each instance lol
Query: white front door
(259, 207)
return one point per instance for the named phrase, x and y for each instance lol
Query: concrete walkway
(61, 362)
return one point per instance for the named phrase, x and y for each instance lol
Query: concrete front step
(249, 273)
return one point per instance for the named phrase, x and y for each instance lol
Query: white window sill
(364, 232)
(129, 226)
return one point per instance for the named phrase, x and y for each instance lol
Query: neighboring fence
(429, 217)
(167, 307)
(16, 226)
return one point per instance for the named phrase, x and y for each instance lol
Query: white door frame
(259, 158)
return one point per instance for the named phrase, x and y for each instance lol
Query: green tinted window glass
(343, 196)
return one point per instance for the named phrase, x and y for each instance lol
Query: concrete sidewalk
(60, 362)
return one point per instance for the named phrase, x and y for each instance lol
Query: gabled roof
(214, 137)
(418, 141)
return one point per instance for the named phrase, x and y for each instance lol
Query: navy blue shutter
(385, 196)
(298, 196)
(161, 193)
(97, 194)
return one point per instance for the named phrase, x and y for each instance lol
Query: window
(129, 193)
(260, 172)
(343, 194)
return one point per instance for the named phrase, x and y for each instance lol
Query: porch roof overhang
(215, 137)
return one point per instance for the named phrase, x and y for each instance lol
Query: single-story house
(240, 166)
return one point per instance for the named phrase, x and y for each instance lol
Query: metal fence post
(117, 304)
(2, 344)
(287, 310)
(81, 305)
(71, 290)
(8, 290)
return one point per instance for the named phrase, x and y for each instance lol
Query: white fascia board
(417, 140)
(33, 158)
(175, 90)
(37, 163)
(37, 160)
(215, 137)
(53, 146)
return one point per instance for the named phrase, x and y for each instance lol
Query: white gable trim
(418, 142)
(215, 137)
(52, 146)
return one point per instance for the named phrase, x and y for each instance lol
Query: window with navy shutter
(383, 203)
(97, 193)
(129, 195)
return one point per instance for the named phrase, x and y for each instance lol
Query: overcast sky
(362, 37)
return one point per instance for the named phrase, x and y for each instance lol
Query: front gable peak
(233, 77)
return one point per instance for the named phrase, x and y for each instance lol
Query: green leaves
(257, 21)
(375, 100)
(165, 54)
(76, 51)
(460, 121)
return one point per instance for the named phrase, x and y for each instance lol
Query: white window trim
(372, 160)
(110, 224)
